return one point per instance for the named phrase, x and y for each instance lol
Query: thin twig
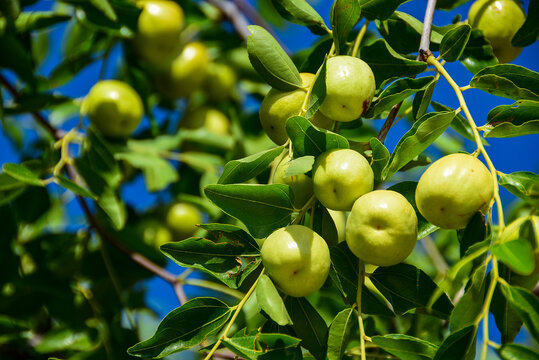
(231, 11)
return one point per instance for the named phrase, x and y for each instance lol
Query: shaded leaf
(301, 13)
(523, 184)
(184, 327)
(76, 188)
(345, 14)
(318, 92)
(477, 54)
(380, 158)
(270, 60)
(22, 173)
(526, 305)
(459, 123)
(458, 345)
(474, 232)
(247, 201)
(265, 346)
(454, 42)
(270, 301)
(520, 118)
(529, 31)
(308, 140)
(379, 9)
(33, 20)
(470, 305)
(309, 326)
(508, 80)
(237, 171)
(339, 333)
(517, 352)
(406, 347)
(517, 254)
(300, 166)
(158, 173)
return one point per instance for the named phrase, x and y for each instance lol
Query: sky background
(508, 155)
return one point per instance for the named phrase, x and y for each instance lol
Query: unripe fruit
(301, 185)
(340, 176)
(382, 228)
(185, 74)
(453, 189)
(211, 119)
(114, 108)
(350, 88)
(182, 219)
(155, 234)
(499, 20)
(220, 82)
(278, 106)
(158, 32)
(297, 259)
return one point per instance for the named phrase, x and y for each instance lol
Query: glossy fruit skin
(114, 108)
(499, 20)
(182, 219)
(278, 106)
(453, 189)
(211, 119)
(297, 259)
(301, 185)
(158, 32)
(340, 177)
(186, 73)
(382, 228)
(220, 82)
(350, 88)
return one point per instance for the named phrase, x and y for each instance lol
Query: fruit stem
(360, 281)
(432, 61)
(359, 38)
(236, 313)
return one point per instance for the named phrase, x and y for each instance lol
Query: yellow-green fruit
(278, 106)
(499, 20)
(301, 185)
(350, 88)
(382, 228)
(114, 108)
(155, 234)
(340, 176)
(158, 32)
(453, 189)
(182, 219)
(186, 73)
(220, 81)
(297, 259)
(211, 119)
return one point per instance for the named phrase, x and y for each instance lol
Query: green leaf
(11, 8)
(34, 20)
(379, 9)
(237, 171)
(308, 140)
(76, 188)
(422, 100)
(459, 124)
(507, 80)
(227, 253)
(407, 189)
(525, 304)
(458, 345)
(16, 57)
(339, 333)
(449, 4)
(520, 118)
(406, 347)
(529, 31)
(9, 183)
(454, 42)
(345, 14)
(301, 13)
(67, 338)
(68, 68)
(105, 7)
(270, 60)
(523, 184)
(300, 166)
(30, 103)
(265, 346)
(22, 173)
(344, 273)
(247, 201)
(423, 133)
(517, 254)
(407, 287)
(270, 301)
(517, 352)
(317, 55)
(397, 92)
(380, 158)
(309, 326)
(386, 64)
(474, 233)
(477, 54)
(318, 92)
(470, 305)
(203, 136)
(158, 173)
(184, 327)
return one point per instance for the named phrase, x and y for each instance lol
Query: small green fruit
(278, 106)
(186, 73)
(182, 219)
(499, 20)
(155, 234)
(382, 228)
(220, 82)
(211, 119)
(301, 185)
(340, 176)
(297, 259)
(453, 189)
(114, 108)
(158, 32)
(350, 88)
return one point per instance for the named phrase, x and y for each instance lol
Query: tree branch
(236, 17)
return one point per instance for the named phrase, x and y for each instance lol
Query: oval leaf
(454, 42)
(345, 14)
(308, 140)
(301, 13)
(339, 333)
(406, 347)
(271, 302)
(507, 80)
(520, 118)
(22, 173)
(237, 171)
(523, 184)
(516, 254)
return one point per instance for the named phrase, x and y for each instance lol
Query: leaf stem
(359, 38)
(236, 313)
(360, 281)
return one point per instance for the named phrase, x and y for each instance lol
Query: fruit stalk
(360, 281)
